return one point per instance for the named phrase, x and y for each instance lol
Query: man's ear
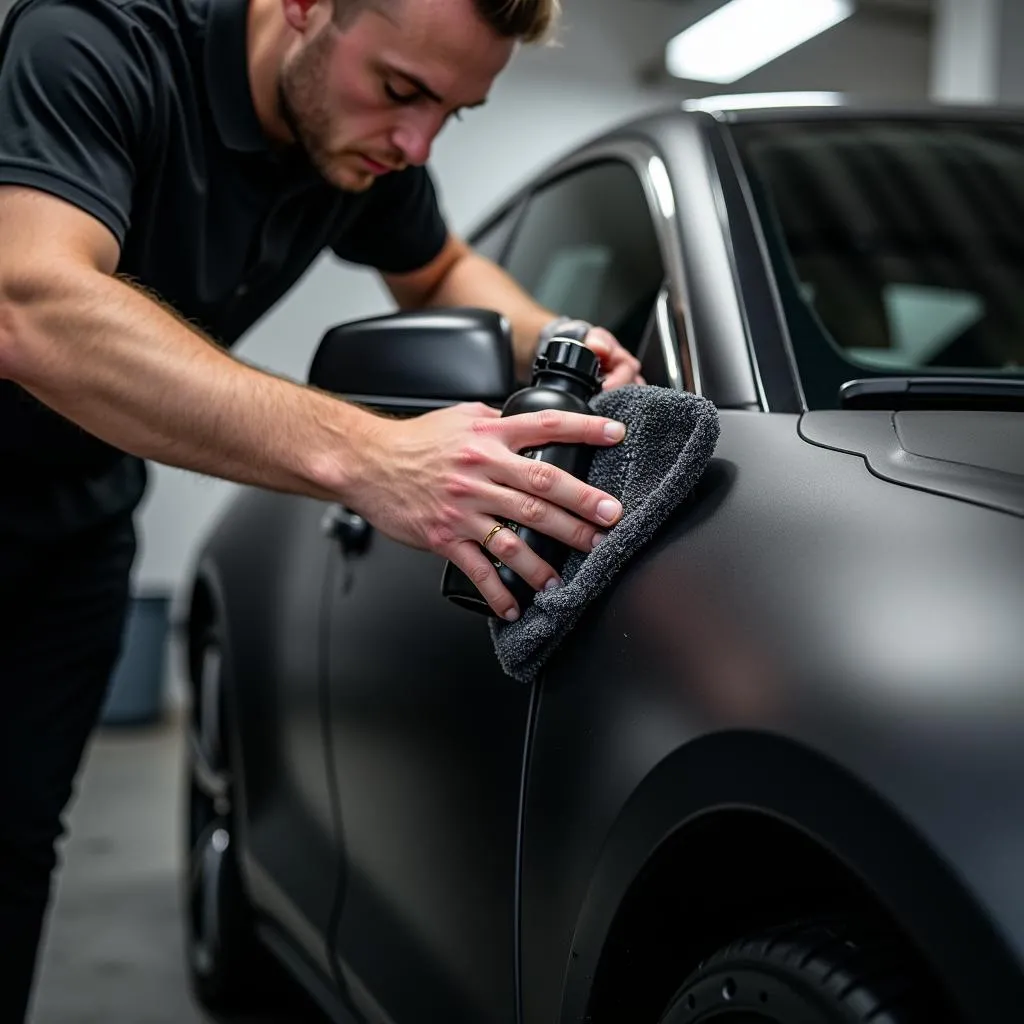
(298, 12)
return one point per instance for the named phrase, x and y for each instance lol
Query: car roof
(784, 106)
(777, 108)
(660, 121)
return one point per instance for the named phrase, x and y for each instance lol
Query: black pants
(62, 610)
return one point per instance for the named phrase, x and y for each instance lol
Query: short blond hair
(527, 20)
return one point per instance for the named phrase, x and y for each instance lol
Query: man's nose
(414, 139)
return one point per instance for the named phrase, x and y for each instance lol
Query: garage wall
(605, 70)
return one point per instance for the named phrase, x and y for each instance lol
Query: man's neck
(267, 38)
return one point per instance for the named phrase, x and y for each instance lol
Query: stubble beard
(300, 104)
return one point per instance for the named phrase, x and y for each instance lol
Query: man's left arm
(458, 276)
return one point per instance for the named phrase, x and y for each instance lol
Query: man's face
(370, 96)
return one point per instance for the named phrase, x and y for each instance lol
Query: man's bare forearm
(118, 364)
(476, 281)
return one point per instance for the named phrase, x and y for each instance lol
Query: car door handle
(348, 528)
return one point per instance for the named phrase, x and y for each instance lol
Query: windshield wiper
(933, 393)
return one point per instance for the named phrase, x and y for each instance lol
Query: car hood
(972, 456)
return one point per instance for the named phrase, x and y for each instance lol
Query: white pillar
(965, 51)
(1010, 82)
(976, 48)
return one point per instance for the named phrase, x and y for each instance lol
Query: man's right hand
(440, 482)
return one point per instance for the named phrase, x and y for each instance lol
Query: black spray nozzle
(568, 356)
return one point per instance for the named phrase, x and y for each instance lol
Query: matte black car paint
(270, 607)
(805, 639)
(737, 633)
(427, 739)
(973, 456)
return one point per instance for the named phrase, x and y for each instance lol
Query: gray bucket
(136, 692)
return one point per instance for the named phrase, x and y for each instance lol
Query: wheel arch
(208, 605)
(205, 606)
(668, 872)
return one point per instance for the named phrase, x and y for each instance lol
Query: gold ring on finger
(494, 529)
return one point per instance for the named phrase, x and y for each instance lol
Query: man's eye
(399, 97)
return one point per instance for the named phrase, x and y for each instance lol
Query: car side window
(586, 248)
(493, 239)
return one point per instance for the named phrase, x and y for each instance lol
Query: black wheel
(229, 969)
(809, 973)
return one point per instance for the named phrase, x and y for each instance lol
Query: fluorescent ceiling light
(744, 34)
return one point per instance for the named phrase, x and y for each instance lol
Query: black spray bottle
(566, 375)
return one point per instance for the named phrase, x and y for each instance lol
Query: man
(168, 169)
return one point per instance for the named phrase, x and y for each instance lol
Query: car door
(427, 735)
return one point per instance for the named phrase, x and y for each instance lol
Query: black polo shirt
(139, 112)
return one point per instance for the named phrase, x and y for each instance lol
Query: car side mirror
(414, 361)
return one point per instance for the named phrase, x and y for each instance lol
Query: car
(774, 775)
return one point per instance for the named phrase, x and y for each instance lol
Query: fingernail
(615, 431)
(608, 510)
(552, 583)
(599, 538)
(512, 615)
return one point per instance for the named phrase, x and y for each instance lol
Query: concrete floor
(113, 950)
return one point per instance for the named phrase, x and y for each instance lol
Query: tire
(229, 970)
(808, 973)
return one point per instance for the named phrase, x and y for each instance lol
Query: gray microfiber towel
(670, 437)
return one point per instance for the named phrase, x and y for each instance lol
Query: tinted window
(586, 248)
(492, 240)
(899, 245)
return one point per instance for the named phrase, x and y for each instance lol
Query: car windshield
(898, 245)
